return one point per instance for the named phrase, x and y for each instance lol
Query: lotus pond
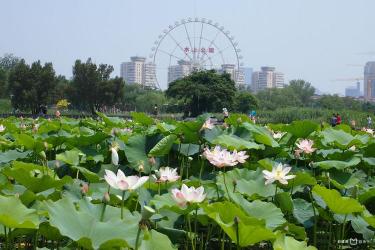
(110, 183)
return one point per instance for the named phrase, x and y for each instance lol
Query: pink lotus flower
(121, 182)
(166, 174)
(279, 173)
(223, 158)
(188, 195)
(2, 128)
(57, 114)
(306, 146)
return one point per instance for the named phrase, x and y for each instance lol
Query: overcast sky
(315, 40)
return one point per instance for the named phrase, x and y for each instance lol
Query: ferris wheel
(194, 44)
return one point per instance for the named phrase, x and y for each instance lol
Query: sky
(314, 40)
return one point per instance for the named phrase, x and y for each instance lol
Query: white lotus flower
(2, 128)
(223, 158)
(368, 130)
(122, 182)
(188, 195)
(167, 174)
(277, 135)
(208, 124)
(306, 146)
(352, 148)
(279, 173)
(114, 155)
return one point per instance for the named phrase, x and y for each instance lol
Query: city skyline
(315, 41)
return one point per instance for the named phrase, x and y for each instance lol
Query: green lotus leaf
(83, 224)
(284, 201)
(366, 196)
(163, 146)
(12, 155)
(250, 229)
(303, 212)
(301, 129)
(189, 131)
(34, 177)
(234, 142)
(111, 121)
(29, 142)
(340, 138)
(70, 157)
(302, 178)
(260, 134)
(13, 214)
(337, 203)
(135, 151)
(153, 240)
(261, 210)
(187, 149)
(288, 243)
(340, 165)
(142, 118)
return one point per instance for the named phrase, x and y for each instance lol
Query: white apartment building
(267, 78)
(138, 71)
(132, 72)
(182, 69)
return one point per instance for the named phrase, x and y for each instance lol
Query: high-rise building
(248, 75)
(236, 75)
(267, 78)
(133, 71)
(353, 91)
(138, 71)
(369, 81)
(149, 75)
(182, 69)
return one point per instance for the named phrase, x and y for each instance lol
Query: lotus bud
(239, 120)
(45, 145)
(234, 184)
(57, 114)
(106, 197)
(141, 168)
(236, 220)
(152, 161)
(84, 188)
(57, 164)
(17, 195)
(147, 212)
(190, 158)
(43, 155)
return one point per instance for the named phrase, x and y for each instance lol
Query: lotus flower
(57, 114)
(277, 135)
(208, 124)
(223, 158)
(368, 130)
(306, 146)
(188, 195)
(167, 174)
(114, 155)
(2, 128)
(121, 182)
(279, 173)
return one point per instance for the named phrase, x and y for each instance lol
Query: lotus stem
(201, 171)
(225, 184)
(236, 222)
(103, 211)
(6, 237)
(137, 239)
(122, 204)
(190, 231)
(343, 228)
(195, 225)
(315, 218)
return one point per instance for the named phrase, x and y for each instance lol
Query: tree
(7, 62)
(92, 87)
(303, 90)
(30, 87)
(271, 99)
(245, 101)
(147, 100)
(333, 102)
(204, 91)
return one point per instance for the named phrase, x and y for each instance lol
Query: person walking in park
(369, 121)
(333, 120)
(338, 119)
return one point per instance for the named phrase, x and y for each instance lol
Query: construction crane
(357, 79)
